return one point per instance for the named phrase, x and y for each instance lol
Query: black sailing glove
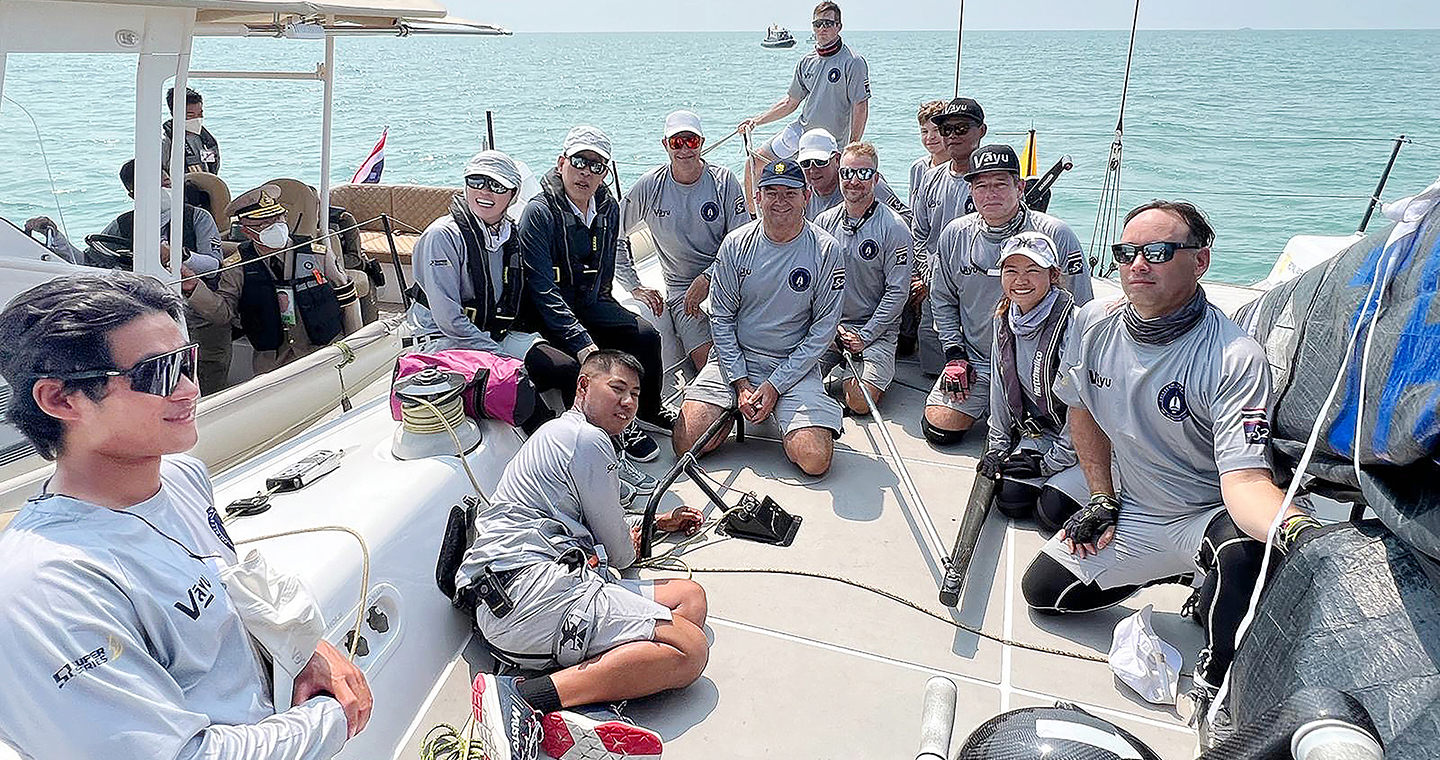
(1292, 530)
(1091, 522)
(989, 465)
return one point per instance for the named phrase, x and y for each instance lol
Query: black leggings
(549, 368)
(1049, 507)
(1231, 563)
(613, 326)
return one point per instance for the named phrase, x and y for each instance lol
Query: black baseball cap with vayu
(993, 158)
(960, 108)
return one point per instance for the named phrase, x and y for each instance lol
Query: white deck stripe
(1094, 708)
(1007, 651)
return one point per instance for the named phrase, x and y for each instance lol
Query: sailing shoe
(509, 726)
(1208, 731)
(627, 498)
(639, 479)
(637, 445)
(596, 732)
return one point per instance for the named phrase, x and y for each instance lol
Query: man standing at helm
(690, 206)
(965, 287)
(833, 85)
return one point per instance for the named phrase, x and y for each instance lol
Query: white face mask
(193, 125)
(276, 235)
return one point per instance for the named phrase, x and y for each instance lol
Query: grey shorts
(1147, 547)
(804, 405)
(876, 368)
(562, 616)
(976, 404)
(692, 332)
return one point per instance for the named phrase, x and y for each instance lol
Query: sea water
(1273, 133)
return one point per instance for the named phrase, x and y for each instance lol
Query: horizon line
(951, 29)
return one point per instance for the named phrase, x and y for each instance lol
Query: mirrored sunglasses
(815, 163)
(862, 173)
(157, 376)
(685, 140)
(596, 166)
(1154, 253)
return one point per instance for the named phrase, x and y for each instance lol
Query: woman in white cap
(469, 281)
(1028, 449)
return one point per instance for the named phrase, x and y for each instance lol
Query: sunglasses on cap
(685, 140)
(597, 166)
(862, 173)
(815, 163)
(157, 376)
(1154, 253)
(482, 182)
(824, 23)
(948, 129)
(1038, 245)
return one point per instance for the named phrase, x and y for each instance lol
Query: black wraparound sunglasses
(157, 375)
(1154, 253)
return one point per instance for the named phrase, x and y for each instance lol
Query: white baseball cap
(682, 121)
(817, 144)
(589, 138)
(494, 164)
(1036, 246)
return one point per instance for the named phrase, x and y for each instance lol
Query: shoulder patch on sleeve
(837, 280)
(1075, 262)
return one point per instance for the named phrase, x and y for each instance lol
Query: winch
(432, 416)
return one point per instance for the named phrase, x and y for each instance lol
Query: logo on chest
(661, 213)
(799, 279)
(201, 596)
(1098, 380)
(1172, 402)
(710, 211)
(869, 250)
(834, 75)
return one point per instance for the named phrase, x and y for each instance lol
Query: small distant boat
(777, 37)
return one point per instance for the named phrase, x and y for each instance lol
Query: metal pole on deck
(1380, 188)
(328, 79)
(176, 159)
(489, 129)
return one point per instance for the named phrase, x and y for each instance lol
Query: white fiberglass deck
(804, 667)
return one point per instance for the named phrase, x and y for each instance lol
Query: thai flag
(369, 172)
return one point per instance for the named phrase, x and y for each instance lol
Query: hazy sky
(750, 15)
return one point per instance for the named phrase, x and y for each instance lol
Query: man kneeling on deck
(776, 287)
(1164, 387)
(543, 599)
(876, 243)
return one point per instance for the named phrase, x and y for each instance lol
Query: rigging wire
(60, 212)
(959, 37)
(1108, 212)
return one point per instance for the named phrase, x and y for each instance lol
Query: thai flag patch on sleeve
(1257, 426)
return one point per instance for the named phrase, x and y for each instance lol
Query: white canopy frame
(160, 33)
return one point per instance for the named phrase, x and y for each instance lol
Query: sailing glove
(1091, 522)
(957, 376)
(989, 465)
(1022, 463)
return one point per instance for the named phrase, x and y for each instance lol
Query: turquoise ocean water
(1274, 133)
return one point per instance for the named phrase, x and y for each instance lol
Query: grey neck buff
(1027, 325)
(1165, 330)
(1008, 229)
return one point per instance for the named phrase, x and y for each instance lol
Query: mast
(1107, 214)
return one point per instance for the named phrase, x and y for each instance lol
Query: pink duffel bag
(500, 382)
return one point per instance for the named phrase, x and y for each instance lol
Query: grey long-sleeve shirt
(775, 306)
(560, 492)
(941, 197)
(819, 204)
(965, 282)
(877, 270)
(688, 223)
(120, 640)
(441, 266)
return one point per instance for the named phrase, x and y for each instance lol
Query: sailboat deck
(816, 667)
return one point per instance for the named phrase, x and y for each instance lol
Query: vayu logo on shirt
(799, 279)
(1098, 380)
(869, 250)
(1172, 402)
(834, 75)
(661, 213)
(200, 598)
(710, 211)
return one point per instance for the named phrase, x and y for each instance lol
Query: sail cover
(1305, 325)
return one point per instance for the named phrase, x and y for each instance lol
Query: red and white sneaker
(570, 735)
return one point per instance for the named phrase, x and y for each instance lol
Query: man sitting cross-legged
(776, 287)
(544, 600)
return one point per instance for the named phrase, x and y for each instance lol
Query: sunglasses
(815, 163)
(482, 182)
(823, 23)
(863, 173)
(597, 166)
(947, 130)
(1038, 245)
(157, 376)
(1154, 253)
(685, 140)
